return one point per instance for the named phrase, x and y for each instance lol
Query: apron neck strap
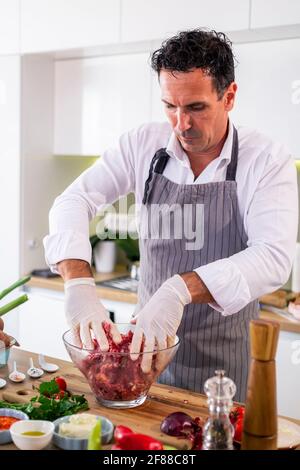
(161, 159)
(231, 169)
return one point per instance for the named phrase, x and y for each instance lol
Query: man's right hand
(85, 313)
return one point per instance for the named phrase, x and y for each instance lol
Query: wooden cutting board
(21, 395)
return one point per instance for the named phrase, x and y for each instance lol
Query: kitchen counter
(162, 400)
(56, 284)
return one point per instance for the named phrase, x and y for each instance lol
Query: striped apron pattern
(209, 341)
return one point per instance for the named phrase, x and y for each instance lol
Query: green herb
(48, 388)
(130, 247)
(47, 407)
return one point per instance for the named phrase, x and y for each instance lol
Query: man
(236, 189)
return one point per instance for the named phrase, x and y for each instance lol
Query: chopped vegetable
(94, 441)
(49, 404)
(6, 422)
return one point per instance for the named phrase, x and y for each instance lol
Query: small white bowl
(24, 442)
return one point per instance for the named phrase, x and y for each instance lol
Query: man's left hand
(159, 319)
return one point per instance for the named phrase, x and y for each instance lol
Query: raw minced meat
(115, 376)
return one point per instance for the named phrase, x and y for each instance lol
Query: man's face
(193, 108)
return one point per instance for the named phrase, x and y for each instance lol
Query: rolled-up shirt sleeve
(271, 223)
(111, 177)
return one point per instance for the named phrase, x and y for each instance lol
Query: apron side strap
(160, 155)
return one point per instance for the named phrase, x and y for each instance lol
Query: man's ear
(229, 96)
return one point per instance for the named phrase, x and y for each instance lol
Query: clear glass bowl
(5, 351)
(116, 380)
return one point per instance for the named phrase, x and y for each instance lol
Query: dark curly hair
(198, 48)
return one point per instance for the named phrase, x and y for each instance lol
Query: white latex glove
(85, 312)
(159, 319)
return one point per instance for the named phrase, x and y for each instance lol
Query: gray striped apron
(209, 341)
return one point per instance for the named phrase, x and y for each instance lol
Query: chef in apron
(217, 220)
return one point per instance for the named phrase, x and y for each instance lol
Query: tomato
(236, 413)
(61, 383)
(60, 395)
(238, 430)
(6, 422)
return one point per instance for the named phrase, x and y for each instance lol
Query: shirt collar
(175, 150)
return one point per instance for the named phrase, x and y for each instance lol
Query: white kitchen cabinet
(97, 99)
(144, 20)
(266, 13)
(288, 376)
(268, 96)
(9, 27)
(48, 25)
(10, 169)
(42, 321)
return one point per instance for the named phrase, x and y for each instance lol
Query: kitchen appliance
(126, 283)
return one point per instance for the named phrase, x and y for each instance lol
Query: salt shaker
(218, 430)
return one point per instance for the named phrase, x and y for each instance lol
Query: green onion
(16, 284)
(11, 305)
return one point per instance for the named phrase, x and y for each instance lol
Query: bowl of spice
(7, 418)
(32, 435)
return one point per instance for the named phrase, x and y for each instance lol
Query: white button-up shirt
(267, 199)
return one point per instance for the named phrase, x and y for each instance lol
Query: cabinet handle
(111, 315)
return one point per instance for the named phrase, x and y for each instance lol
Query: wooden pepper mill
(260, 421)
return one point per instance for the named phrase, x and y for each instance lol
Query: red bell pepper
(126, 439)
(120, 433)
